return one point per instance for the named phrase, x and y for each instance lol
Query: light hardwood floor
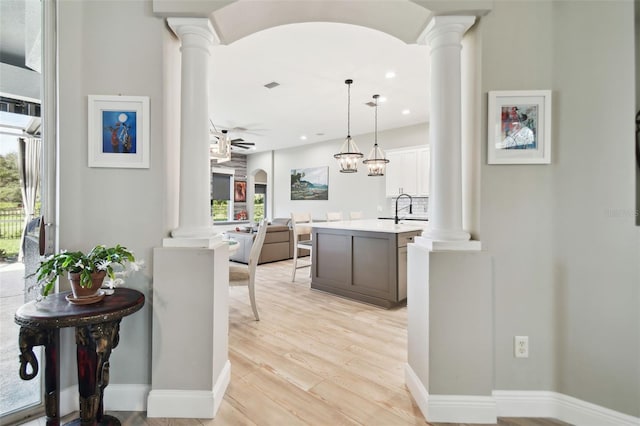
(312, 359)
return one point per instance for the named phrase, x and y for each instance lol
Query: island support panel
(360, 265)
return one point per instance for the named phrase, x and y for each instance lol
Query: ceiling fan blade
(243, 144)
(237, 140)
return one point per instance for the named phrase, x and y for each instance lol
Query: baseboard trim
(69, 400)
(180, 403)
(192, 404)
(126, 397)
(116, 398)
(559, 406)
(450, 408)
(417, 389)
(220, 387)
(462, 409)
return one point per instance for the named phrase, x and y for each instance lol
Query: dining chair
(246, 274)
(301, 226)
(334, 216)
(355, 215)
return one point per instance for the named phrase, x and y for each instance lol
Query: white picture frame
(118, 131)
(519, 127)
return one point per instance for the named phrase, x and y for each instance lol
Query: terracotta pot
(96, 282)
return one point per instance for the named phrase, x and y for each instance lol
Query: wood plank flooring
(312, 359)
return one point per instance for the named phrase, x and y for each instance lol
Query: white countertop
(373, 225)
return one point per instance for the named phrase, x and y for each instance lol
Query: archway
(447, 34)
(257, 192)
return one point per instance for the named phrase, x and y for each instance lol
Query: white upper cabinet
(408, 172)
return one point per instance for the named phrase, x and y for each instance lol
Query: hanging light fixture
(349, 154)
(376, 162)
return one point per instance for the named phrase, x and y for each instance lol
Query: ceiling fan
(238, 142)
(235, 143)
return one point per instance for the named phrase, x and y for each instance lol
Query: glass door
(27, 180)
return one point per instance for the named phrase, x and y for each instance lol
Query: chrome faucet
(410, 206)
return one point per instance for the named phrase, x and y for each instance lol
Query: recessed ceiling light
(303, 137)
(272, 85)
(319, 134)
(406, 112)
(390, 74)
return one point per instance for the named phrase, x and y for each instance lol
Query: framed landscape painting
(118, 131)
(310, 184)
(519, 127)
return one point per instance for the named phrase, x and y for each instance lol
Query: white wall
(111, 48)
(566, 270)
(347, 191)
(516, 221)
(596, 256)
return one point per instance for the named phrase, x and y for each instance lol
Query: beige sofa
(278, 243)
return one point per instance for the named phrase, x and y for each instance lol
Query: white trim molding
(483, 409)
(559, 406)
(416, 389)
(116, 398)
(126, 397)
(69, 400)
(221, 385)
(462, 409)
(194, 404)
(181, 403)
(451, 408)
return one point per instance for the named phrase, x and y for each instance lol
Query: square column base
(435, 245)
(190, 331)
(204, 242)
(449, 310)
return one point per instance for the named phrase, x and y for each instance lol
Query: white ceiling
(311, 61)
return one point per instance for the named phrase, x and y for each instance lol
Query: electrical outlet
(521, 346)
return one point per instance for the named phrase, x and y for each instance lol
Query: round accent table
(97, 333)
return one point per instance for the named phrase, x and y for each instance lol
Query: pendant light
(376, 162)
(349, 154)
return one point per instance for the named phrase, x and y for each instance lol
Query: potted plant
(86, 272)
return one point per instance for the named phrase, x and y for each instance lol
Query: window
(221, 201)
(259, 202)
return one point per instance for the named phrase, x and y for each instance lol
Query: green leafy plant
(100, 258)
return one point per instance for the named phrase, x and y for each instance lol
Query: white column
(195, 226)
(444, 37)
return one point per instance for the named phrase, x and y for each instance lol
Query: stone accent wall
(238, 163)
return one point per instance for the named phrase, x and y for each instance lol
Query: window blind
(260, 188)
(221, 186)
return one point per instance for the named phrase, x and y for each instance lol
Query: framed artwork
(240, 191)
(118, 131)
(310, 184)
(519, 127)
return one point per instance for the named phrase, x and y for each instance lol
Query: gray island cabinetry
(365, 260)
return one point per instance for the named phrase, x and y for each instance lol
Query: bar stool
(334, 216)
(301, 226)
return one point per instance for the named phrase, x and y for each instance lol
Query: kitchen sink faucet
(410, 206)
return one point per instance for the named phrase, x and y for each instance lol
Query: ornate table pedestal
(97, 333)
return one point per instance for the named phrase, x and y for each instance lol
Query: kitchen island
(365, 260)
